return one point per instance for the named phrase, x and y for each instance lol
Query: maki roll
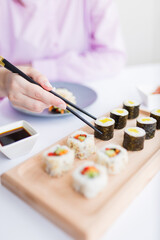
(156, 115)
(89, 179)
(82, 143)
(114, 157)
(120, 116)
(58, 160)
(53, 109)
(148, 124)
(66, 94)
(134, 138)
(106, 126)
(132, 107)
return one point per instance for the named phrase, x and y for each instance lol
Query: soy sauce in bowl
(13, 135)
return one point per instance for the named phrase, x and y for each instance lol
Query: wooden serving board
(82, 218)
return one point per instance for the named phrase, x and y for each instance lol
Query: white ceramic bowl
(21, 147)
(149, 100)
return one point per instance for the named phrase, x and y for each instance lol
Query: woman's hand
(26, 95)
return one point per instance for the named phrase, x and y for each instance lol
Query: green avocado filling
(59, 150)
(81, 138)
(92, 174)
(112, 152)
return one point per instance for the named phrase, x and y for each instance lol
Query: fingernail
(62, 106)
(47, 84)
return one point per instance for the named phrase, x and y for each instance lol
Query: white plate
(85, 96)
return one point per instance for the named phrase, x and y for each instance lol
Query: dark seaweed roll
(132, 107)
(120, 116)
(134, 138)
(148, 124)
(106, 126)
(156, 114)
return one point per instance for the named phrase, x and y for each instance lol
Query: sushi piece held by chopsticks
(63, 92)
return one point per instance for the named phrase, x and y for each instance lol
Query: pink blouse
(70, 40)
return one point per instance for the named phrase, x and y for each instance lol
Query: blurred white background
(140, 21)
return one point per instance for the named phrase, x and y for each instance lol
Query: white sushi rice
(82, 149)
(89, 187)
(156, 111)
(57, 165)
(104, 121)
(120, 111)
(114, 164)
(131, 103)
(146, 120)
(66, 94)
(135, 131)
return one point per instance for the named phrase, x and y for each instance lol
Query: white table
(141, 220)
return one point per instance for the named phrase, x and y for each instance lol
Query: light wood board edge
(42, 208)
(123, 197)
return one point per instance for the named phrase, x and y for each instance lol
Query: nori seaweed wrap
(120, 116)
(134, 138)
(148, 124)
(156, 115)
(106, 126)
(132, 107)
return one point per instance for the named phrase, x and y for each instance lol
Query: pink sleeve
(105, 56)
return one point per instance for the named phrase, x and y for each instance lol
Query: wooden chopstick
(14, 69)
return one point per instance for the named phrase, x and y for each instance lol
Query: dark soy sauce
(13, 135)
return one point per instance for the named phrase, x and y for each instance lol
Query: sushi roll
(148, 124)
(156, 114)
(106, 126)
(58, 159)
(132, 107)
(82, 143)
(56, 110)
(114, 157)
(89, 179)
(120, 116)
(134, 138)
(67, 95)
